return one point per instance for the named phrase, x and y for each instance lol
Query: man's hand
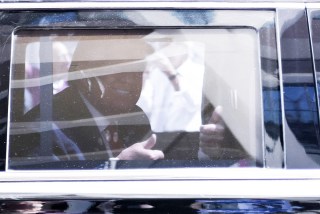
(213, 134)
(142, 151)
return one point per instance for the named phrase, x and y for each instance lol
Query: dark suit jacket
(74, 139)
(74, 134)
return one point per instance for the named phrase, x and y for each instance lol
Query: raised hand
(213, 134)
(142, 151)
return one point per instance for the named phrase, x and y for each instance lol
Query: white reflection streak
(18, 128)
(136, 66)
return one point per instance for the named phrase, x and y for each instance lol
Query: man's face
(116, 93)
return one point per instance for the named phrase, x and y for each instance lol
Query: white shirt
(171, 110)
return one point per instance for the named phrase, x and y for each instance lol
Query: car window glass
(86, 95)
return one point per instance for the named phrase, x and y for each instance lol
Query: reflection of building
(301, 111)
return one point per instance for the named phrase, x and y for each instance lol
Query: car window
(300, 83)
(195, 89)
(88, 95)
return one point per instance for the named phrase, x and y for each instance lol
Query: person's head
(61, 59)
(109, 71)
(112, 93)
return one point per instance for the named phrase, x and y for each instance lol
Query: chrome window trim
(263, 184)
(278, 39)
(314, 5)
(150, 5)
(157, 175)
(281, 189)
(9, 105)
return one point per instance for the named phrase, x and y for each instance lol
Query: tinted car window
(302, 99)
(174, 76)
(88, 95)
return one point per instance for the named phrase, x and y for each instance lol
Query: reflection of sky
(300, 111)
(272, 113)
(194, 17)
(51, 18)
(271, 103)
(244, 206)
(300, 104)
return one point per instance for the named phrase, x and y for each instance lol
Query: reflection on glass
(61, 63)
(175, 104)
(144, 98)
(301, 114)
(273, 140)
(232, 91)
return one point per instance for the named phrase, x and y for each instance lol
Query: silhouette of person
(95, 118)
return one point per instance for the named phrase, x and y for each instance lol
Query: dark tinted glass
(300, 100)
(244, 115)
(81, 97)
